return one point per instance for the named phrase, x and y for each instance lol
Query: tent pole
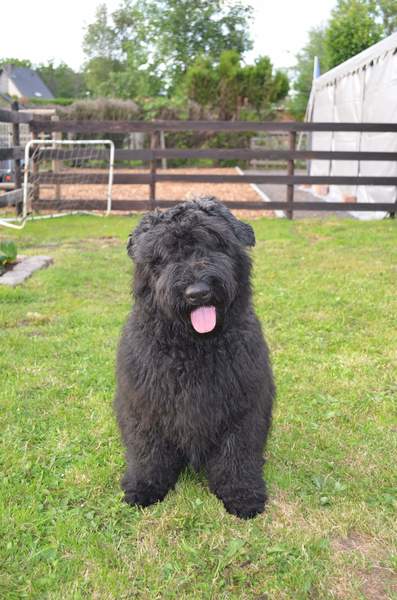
(332, 132)
(362, 121)
(310, 109)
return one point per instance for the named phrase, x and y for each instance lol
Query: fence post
(57, 164)
(35, 172)
(290, 171)
(17, 162)
(162, 146)
(153, 169)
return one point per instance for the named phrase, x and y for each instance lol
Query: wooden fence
(153, 154)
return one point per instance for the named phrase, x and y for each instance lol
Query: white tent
(362, 89)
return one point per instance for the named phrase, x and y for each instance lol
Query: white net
(69, 176)
(65, 177)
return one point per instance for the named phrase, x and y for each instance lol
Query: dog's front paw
(143, 497)
(245, 506)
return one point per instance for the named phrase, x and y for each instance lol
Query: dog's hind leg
(151, 475)
(235, 475)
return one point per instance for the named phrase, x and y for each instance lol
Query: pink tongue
(203, 319)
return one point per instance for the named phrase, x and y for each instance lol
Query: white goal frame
(19, 222)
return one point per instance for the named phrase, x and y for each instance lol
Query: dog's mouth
(203, 319)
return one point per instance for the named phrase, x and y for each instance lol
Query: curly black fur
(184, 397)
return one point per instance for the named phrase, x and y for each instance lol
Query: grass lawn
(326, 294)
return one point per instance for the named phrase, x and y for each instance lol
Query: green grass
(326, 294)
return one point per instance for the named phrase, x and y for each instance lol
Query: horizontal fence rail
(216, 154)
(11, 198)
(146, 178)
(152, 126)
(122, 126)
(127, 205)
(11, 116)
(12, 153)
(153, 154)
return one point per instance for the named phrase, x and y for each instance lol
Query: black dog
(194, 382)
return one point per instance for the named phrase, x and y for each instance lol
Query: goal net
(63, 177)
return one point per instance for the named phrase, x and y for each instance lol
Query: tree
(155, 41)
(303, 70)
(115, 46)
(229, 84)
(201, 82)
(100, 39)
(16, 62)
(62, 80)
(187, 29)
(99, 75)
(387, 9)
(261, 87)
(352, 28)
(280, 86)
(225, 86)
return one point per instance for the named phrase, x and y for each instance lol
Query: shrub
(8, 254)
(102, 109)
(46, 102)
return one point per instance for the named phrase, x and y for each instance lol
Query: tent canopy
(361, 90)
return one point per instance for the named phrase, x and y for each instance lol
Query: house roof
(28, 82)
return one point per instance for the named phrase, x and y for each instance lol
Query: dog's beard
(170, 285)
(199, 319)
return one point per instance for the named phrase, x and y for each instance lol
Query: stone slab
(24, 269)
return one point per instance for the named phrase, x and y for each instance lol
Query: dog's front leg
(151, 473)
(235, 475)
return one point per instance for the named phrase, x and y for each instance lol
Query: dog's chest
(199, 390)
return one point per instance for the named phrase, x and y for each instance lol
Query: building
(22, 82)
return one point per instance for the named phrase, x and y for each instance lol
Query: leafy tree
(352, 28)
(155, 41)
(17, 62)
(62, 80)
(115, 46)
(201, 82)
(229, 84)
(387, 9)
(261, 87)
(100, 74)
(303, 70)
(280, 86)
(100, 39)
(226, 85)
(186, 29)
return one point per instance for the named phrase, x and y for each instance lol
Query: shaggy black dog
(194, 382)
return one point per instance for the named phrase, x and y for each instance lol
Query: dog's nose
(198, 293)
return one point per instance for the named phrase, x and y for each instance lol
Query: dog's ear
(243, 232)
(149, 221)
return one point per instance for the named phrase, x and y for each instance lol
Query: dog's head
(191, 263)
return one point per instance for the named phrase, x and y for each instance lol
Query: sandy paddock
(168, 190)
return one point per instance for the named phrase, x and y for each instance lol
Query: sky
(48, 29)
